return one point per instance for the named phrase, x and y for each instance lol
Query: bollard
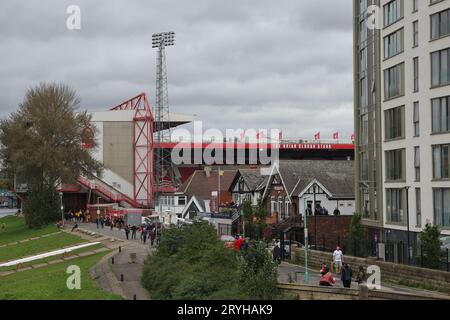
(120, 249)
(121, 277)
(112, 260)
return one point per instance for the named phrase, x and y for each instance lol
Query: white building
(402, 116)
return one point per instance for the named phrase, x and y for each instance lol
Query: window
(441, 161)
(440, 68)
(181, 201)
(395, 168)
(416, 119)
(442, 207)
(418, 208)
(415, 5)
(364, 166)
(416, 73)
(393, 81)
(393, 44)
(417, 163)
(273, 205)
(286, 207)
(395, 199)
(440, 24)
(393, 11)
(415, 33)
(280, 207)
(440, 114)
(394, 123)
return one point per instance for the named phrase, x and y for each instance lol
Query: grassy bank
(49, 283)
(16, 230)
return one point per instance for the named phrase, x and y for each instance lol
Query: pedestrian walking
(338, 259)
(277, 252)
(127, 231)
(346, 276)
(133, 232)
(144, 236)
(102, 222)
(97, 221)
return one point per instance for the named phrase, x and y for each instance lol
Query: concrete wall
(389, 271)
(118, 148)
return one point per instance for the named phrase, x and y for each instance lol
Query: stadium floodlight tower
(163, 170)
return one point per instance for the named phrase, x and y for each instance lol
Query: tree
(258, 273)
(192, 263)
(42, 144)
(431, 247)
(254, 220)
(358, 236)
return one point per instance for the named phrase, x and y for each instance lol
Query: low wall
(303, 292)
(389, 271)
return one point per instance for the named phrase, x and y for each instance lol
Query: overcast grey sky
(283, 64)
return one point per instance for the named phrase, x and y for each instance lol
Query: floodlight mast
(164, 172)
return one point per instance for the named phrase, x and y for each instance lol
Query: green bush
(432, 253)
(192, 263)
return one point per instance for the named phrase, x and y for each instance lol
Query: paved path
(124, 264)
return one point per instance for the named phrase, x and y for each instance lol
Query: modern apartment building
(402, 116)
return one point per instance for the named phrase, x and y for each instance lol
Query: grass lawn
(30, 248)
(17, 230)
(49, 283)
(29, 264)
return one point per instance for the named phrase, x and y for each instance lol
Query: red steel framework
(143, 148)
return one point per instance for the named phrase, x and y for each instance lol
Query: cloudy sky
(237, 63)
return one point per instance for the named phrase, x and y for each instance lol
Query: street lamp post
(62, 207)
(306, 243)
(407, 223)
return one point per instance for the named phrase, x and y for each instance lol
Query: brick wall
(330, 232)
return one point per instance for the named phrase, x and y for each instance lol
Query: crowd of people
(343, 269)
(146, 231)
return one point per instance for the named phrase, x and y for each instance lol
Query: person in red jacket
(327, 279)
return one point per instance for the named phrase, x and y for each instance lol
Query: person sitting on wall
(327, 279)
(336, 212)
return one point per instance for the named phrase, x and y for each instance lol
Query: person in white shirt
(338, 259)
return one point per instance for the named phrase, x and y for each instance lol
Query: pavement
(128, 257)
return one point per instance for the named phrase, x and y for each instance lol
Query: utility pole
(306, 243)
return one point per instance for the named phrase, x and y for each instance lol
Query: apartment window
(415, 33)
(364, 95)
(394, 120)
(440, 114)
(415, 5)
(417, 163)
(362, 6)
(440, 68)
(393, 44)
(440, 24)
(393, 81)
(393, 11)
(395, 200)
(416, 119)
(364, 166)
(442, 207)
(441, 161)
(418, 208)
(395, 165)
(416, 73)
